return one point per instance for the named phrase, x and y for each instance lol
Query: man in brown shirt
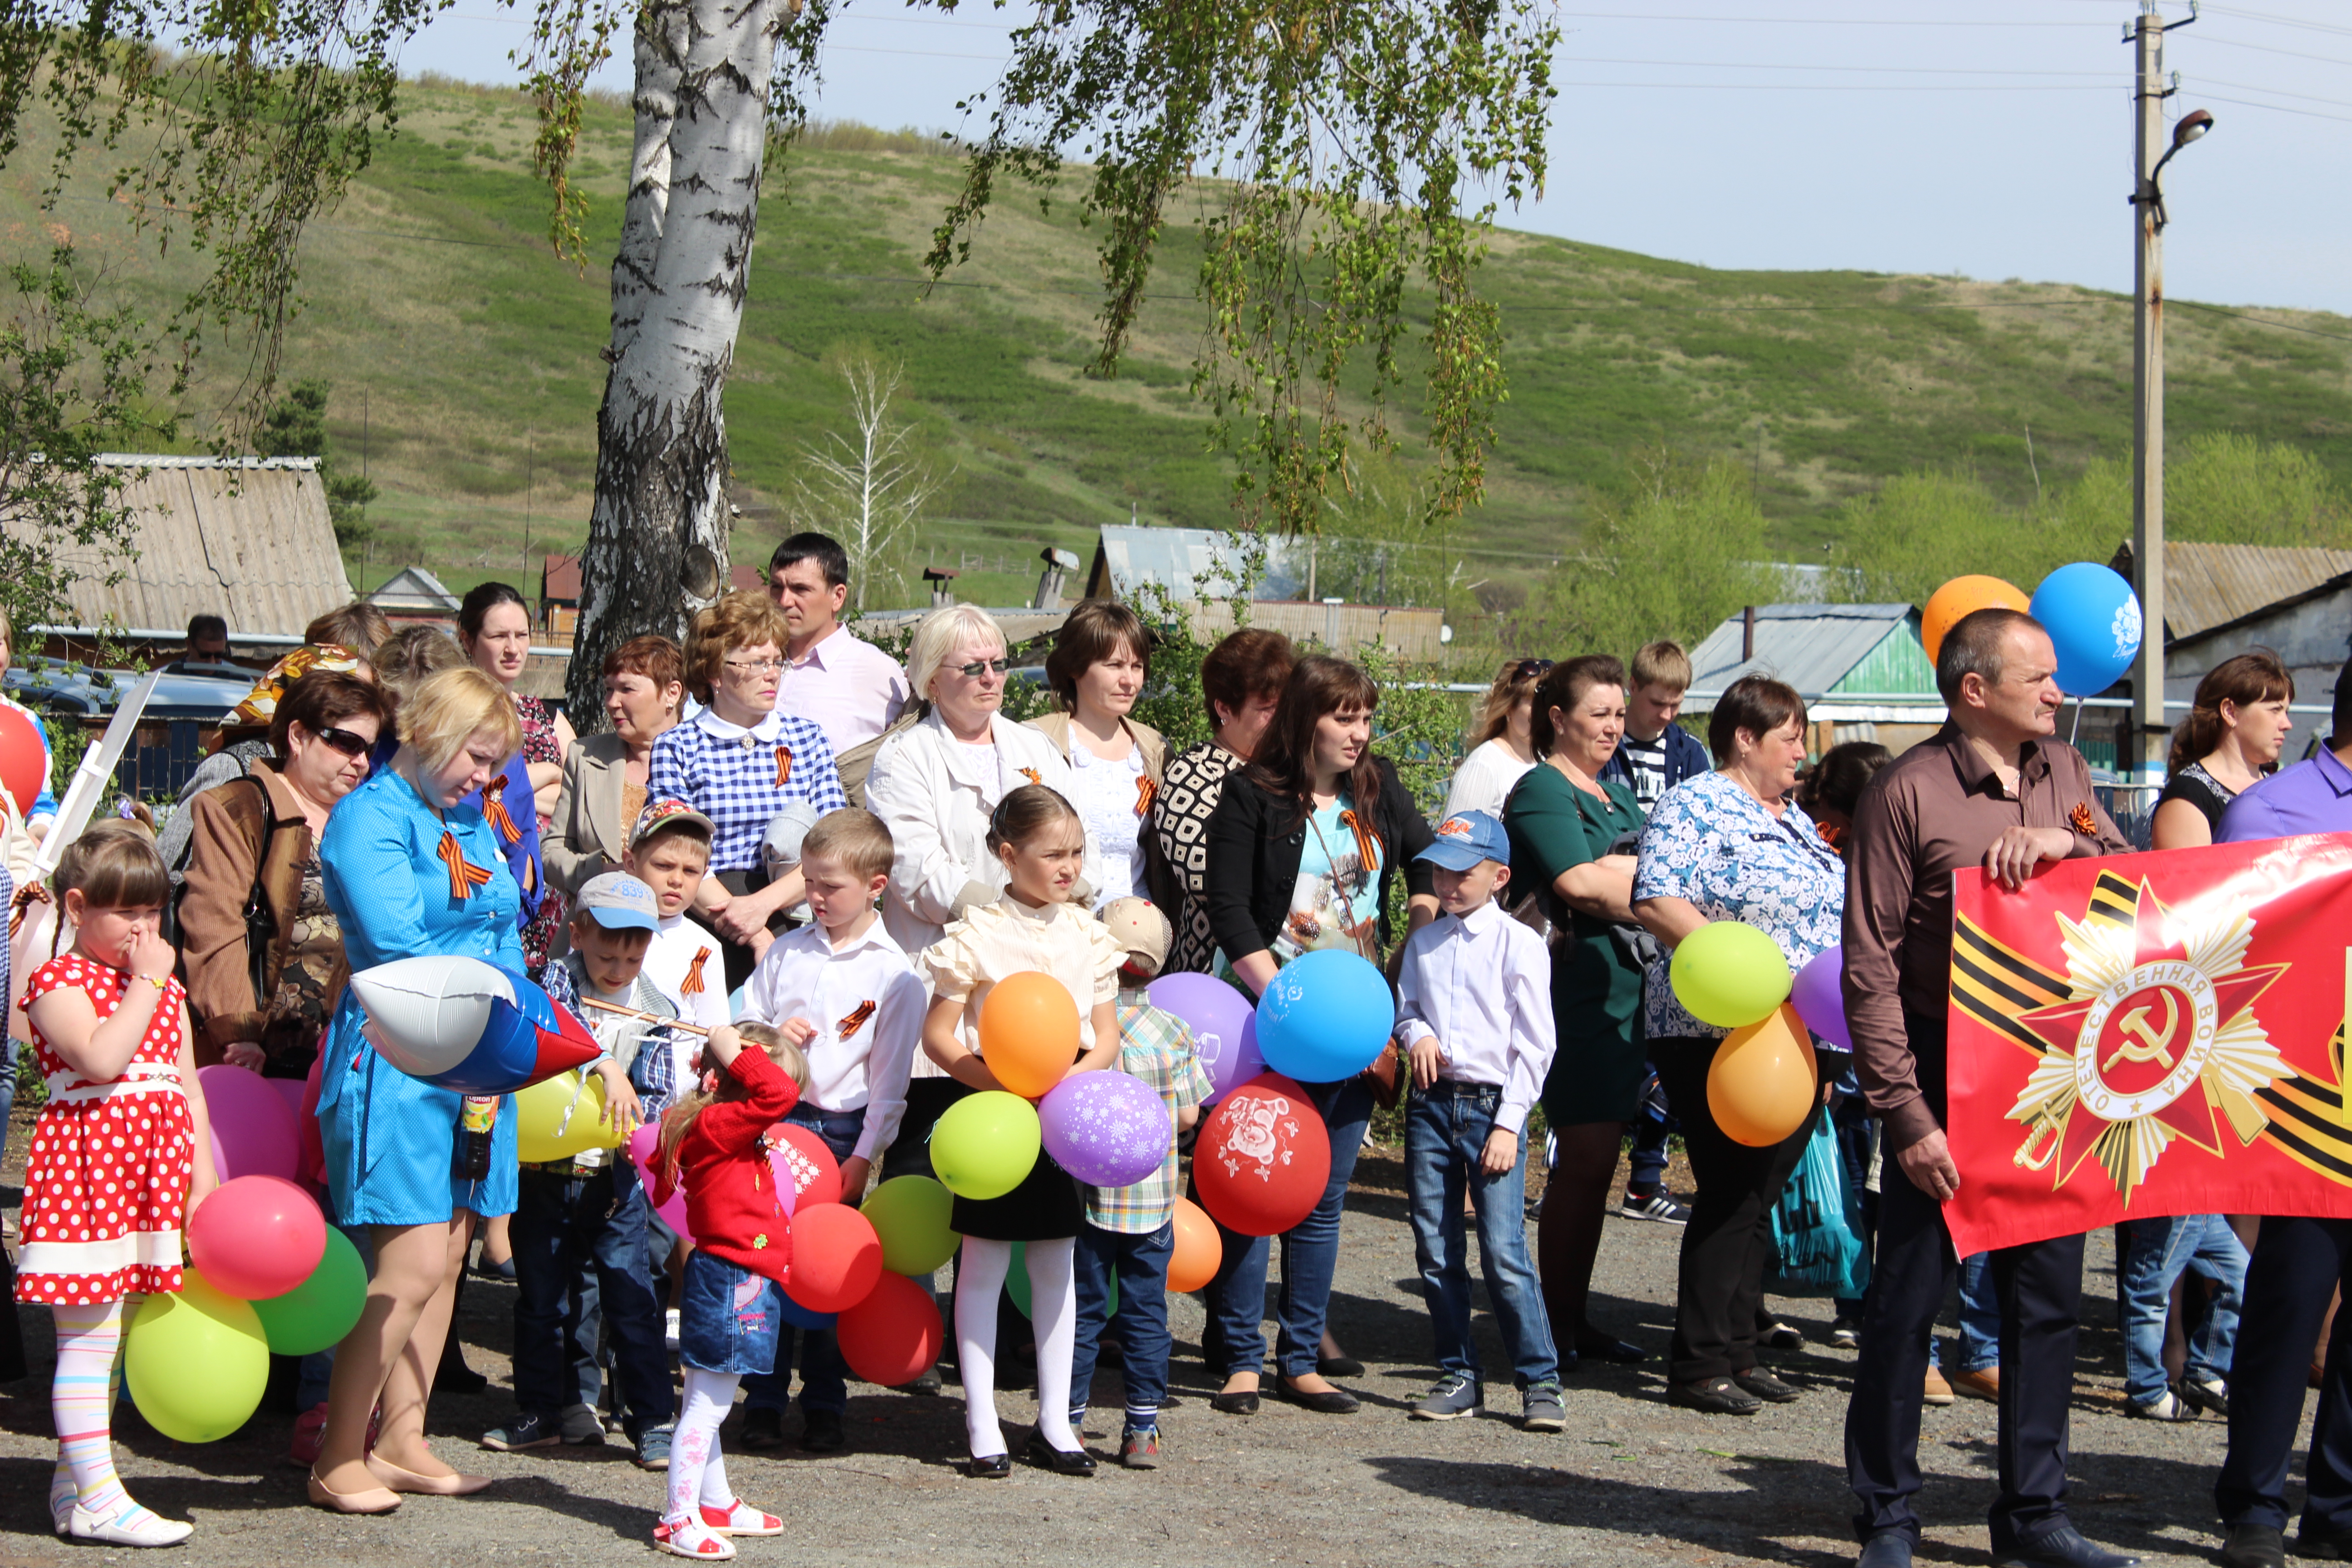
(1995, 790)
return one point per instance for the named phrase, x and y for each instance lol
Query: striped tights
(81, 1403)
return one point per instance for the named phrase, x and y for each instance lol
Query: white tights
(1053, 1313)
(696, 1474)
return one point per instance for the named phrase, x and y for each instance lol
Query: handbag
(1817, 1245)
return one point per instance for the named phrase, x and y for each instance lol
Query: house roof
(1822, 650)
(414, 588)
(1188, 563)
(2207, 587)
(246, 538)
(559, 579)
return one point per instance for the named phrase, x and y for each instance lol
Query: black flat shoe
(1604, 1349)
(1061, 1461)
(1241, 1402)
(1713, 1396)
(1339, 1366)
(995, 1468)
(457, 1377)
(1765, 1385)
(1330, 1402)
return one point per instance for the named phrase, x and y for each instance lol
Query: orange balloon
(1199, 1249)
(1960, 598)
(1029, 1032)
(1764, 1085)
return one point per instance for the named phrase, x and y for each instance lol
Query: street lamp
(2193, 124)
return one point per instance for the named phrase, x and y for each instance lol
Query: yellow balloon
(1764, 1084)
(195, 1361)
(541, 1132)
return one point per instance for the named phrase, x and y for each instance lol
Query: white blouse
(1484, 780)
(1111, 798)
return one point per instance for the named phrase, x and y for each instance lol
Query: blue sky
(1993, 139)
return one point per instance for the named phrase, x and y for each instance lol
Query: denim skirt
(728, 1317)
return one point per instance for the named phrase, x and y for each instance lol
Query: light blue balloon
(2094, 620)
(1324, 1019)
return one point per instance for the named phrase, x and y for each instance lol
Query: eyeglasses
(981, 666)
(349, 742)
(1528, 668)
(756, 666)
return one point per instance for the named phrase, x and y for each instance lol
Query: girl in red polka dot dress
(122, 1151)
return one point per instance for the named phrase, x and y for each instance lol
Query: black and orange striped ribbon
(495, 813)
(692, 984)
(1367, 843)
(1031, 775)
(1146, 787)
(783, 766)
(854, 1021)
(464, 875)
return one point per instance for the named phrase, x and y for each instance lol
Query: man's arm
(1879, 878)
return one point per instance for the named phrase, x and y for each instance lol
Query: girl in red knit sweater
(714, 1144)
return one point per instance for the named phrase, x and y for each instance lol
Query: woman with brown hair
(605, 777)
(2232, 738)
(1573, 835)
(1503, 748)
(1306, 839)
(1100, 659)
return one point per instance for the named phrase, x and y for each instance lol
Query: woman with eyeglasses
(1505, 747)
(494, 628)
(741, 761)
(936, 784)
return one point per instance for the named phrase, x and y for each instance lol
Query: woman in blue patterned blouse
(739, 762)
(410, 871)
(1731, 846)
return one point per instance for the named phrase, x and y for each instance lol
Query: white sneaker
(134, 1526)
(670, 1329)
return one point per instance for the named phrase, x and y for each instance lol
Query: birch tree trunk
(657, 547)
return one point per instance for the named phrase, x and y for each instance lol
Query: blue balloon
(2094, 620)
(1324, 1019)
(800, 1317)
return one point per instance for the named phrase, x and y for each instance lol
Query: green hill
(464, 358)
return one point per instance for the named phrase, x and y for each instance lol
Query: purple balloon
(1107, 1129)
(254, 1130)
(1818, 997)
(1224, 1026)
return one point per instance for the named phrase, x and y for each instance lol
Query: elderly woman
(264, 995)
(1731, 846)
(935, 784)
(410, 871)
(1571, 844)
(1100, 657)
(741, 762)
(605, 777)
(494, 628)
(1241, 681)
(1503, 748)
(1307, 840)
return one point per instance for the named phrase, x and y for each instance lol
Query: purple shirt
(2312, 796)
(848, 689)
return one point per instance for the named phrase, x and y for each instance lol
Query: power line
(2260, 321)
(1847, 87)
(2275, 91)
(2273, 49)
(2278, 20)
(1751, 66)
(2275, 108)
(1815, 21)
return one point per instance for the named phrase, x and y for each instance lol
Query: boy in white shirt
(841, 990)
(1474, 1019)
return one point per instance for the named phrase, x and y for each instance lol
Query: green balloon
(322, 1308)
(1729, 975)
(1016, 1281)
(195, 1361)
(912, 1215)
(986, 1144)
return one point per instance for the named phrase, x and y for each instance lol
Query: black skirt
(1047, 1205)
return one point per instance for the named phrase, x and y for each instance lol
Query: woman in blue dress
(410, 871)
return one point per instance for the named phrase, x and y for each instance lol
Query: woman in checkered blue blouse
(737, 762)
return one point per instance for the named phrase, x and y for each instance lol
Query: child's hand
(1428, 1056)
(724, 1045)
(623, 1109)
(799, 1031)
(1501, 1153)
(854, 1171)
(151, 957)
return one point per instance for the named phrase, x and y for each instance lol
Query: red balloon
(257, 1237)
(1263, 1158)
(23, 760)
(314, 1159)
(894, 1335)
(816, 1178)
(836, 1258)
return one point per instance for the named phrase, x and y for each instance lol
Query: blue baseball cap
(1466, 838)
(618, 901)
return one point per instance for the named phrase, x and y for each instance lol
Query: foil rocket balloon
(461, 1024)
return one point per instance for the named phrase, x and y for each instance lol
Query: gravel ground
(1631, 1481)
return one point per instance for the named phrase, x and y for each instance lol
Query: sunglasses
(348, 742)
(979, 668)
(1528, 668)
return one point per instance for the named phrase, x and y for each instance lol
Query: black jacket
(1254, 849)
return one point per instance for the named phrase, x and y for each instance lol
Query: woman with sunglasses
(1505, 747)
(264, 1007)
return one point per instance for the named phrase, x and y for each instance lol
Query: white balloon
(426, 1014)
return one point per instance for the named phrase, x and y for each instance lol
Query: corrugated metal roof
(1190, 563)
(2210, 585)
(247, 540)
(1813, 648)
(413, 588)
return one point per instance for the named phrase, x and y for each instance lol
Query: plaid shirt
(1156, 1048)
(730, 774)
(651, 1070)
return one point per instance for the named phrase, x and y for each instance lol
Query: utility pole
(2147, 393)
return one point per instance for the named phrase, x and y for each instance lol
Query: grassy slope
(433, 303)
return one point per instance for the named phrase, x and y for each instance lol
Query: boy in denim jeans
(1130, 1232)
(1474, 1018)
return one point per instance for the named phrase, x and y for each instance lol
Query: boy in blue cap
(1474, 1022)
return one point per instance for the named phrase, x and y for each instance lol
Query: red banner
(2151, 1035)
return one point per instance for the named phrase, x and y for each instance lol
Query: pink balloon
(641, 1146)
(257, 1237)
(291, 1091)
(254, 1131)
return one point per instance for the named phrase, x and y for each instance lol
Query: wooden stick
(683, 1028)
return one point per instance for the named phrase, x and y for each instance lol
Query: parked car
(79, 690)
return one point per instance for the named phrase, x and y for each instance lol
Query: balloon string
(682, 1028)
(2078, 723)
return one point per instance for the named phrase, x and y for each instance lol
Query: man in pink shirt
(850, 689)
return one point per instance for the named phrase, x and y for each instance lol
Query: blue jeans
(568, 1229)
(1310, 1255)
(824, 1378)
(1978, 1344)
(2159, 1250)
(1141, 1264)
(1445, 1131)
